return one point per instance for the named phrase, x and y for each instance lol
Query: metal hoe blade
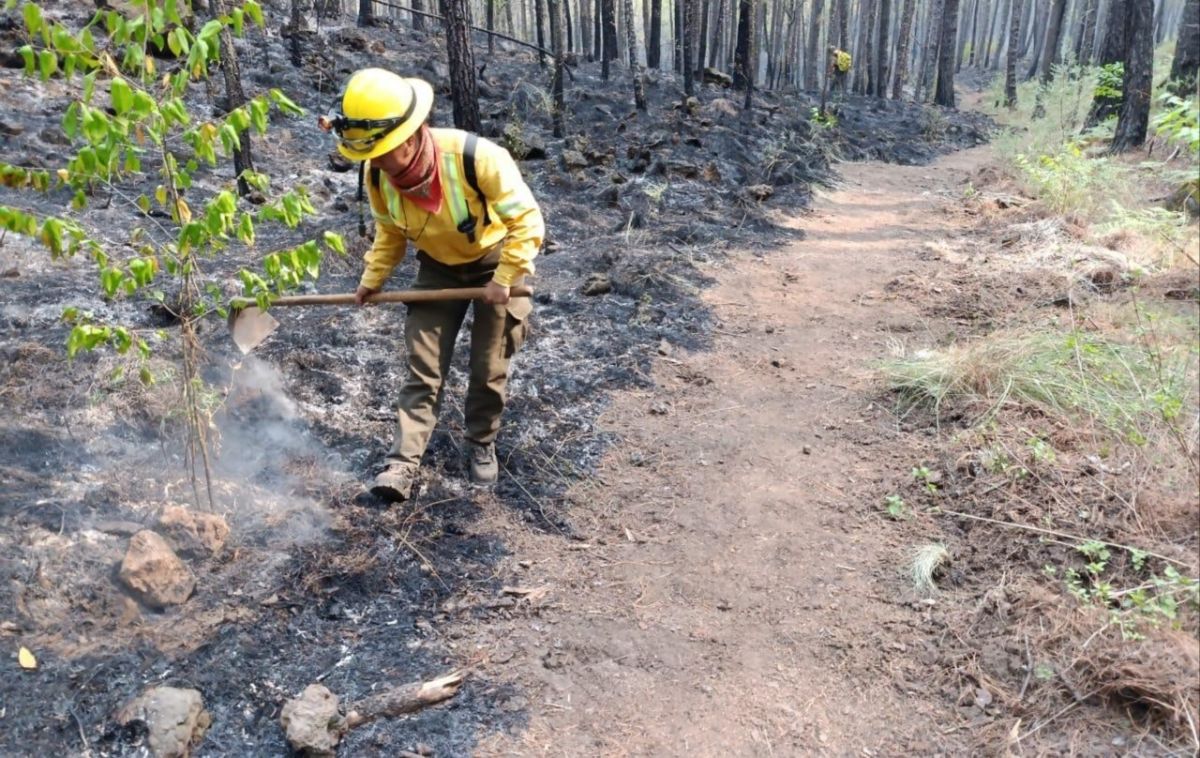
(250, 326)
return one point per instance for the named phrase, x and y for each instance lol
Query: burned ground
(323, 584)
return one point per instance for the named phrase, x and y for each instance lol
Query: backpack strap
(472, 179)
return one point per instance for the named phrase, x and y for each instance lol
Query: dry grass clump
(1156, 680)
(927, 561)
(1132, 390)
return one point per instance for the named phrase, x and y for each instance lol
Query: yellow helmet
(380, 110)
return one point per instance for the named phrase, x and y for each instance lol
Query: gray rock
(573, 160)
(176, 720)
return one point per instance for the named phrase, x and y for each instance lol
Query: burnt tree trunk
(813, 56)
(1050, 54)
(718, 33)
(1139, 74)
(1112, 50)
(933, 37)
(560, 65)
(1186, 63)
(418, 21)
(654, 46)
(1010, 64)
(366, 15)
(689, 38)
(232, 72)
(609, 9)
(538, 14)
(742, 72)
(464, 90)
(944, 92)
(882, 50)
(903, 45)
(635, 65)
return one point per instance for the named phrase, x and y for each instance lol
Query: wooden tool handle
(402, 296)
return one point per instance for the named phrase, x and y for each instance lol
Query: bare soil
(739, 593)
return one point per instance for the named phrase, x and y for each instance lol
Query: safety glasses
(377, 128)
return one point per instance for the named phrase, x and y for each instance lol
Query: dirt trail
(741, 594)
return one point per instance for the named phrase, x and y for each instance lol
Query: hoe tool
(250, 325)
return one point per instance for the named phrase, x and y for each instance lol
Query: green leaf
(143, 203)
(52, 236)
(254, 10)
(32, 14)
(110, 281)
(89, 86)
(245, 230)
(144, 374)
(70, 314)
(122, 96)
(334, 242)
(239, 20)
(209, 31)
(285, 103)
(47, 64)
(30, 59)
(229, 139)
(70, 122)
(258, 114)
(173, 42)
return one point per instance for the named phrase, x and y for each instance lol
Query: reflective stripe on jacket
(514, 215)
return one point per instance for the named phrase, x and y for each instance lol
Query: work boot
(394, 483)
(484, 468)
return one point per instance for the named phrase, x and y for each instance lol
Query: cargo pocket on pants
(516, 325)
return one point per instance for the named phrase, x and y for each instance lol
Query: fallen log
(314, 725)
(406, 699)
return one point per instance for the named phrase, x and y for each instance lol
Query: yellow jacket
(514, 214)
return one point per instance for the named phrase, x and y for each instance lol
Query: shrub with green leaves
(134, 140)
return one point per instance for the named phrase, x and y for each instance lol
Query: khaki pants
(430, 330)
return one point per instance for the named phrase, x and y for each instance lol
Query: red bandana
(420, 182)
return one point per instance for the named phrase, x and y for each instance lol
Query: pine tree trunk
(539, 14)
(944, 94)
(843, 24)
(865, 54)
(1112, 50)
(1139, 75)
(933, 40)
(902, 51)
(1010, 65)
(883, 50)
(718, 35)
(560, 65)
(1050, 54)
(491, 26)
(234, 94)
(1186, 63)
(418, 22)
(463, 87)
(366, 15)
(689, 34)
(813, 55)
(702, 39)
(999, 13)
(742, 73)
(964, 34)
(608, 13)
(635, 65)
(1087, 27)
(598, 31)
(654, 48)
(568, 31)
(749, 65)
